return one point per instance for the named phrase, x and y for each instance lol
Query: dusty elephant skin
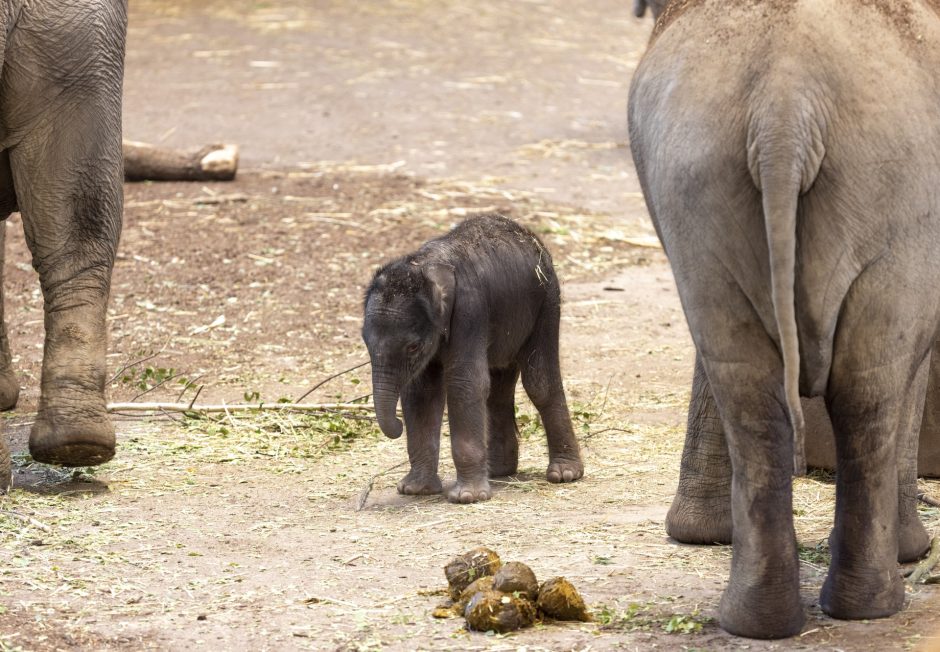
(789, 153)
(60, 166)
(460, 320)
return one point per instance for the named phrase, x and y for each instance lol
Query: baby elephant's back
(505, 279)
(493, 253)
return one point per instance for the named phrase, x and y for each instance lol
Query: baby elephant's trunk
(385, 395)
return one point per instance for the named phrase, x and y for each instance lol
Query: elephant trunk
(385, 395)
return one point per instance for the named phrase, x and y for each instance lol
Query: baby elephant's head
(407, 315)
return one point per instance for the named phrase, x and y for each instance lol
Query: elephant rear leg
(913, 540)
(541, 378)
(763, 598)
(867, 408)
(502, 446)
(701, 510)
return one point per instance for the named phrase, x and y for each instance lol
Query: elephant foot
(9, 389)
(562, 470)
(470, 492)
(854, 597)
(762, 612)
(55, 439)
(700, 521)
(913, 541)
(420, 484)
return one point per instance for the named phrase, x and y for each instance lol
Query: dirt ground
(365, 129)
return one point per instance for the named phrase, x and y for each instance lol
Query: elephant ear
(443, 292)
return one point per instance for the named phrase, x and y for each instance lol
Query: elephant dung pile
(498, 597)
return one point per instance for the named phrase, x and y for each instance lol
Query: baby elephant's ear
(443, 291)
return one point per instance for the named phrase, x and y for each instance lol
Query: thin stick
(328, 379)
(927, 499)
(195, 396)
(27, 519)
(158, 385)
(188, 385)
(600, 432)
(924, 567)
(239, 407)
(137, 362)
(364, 495)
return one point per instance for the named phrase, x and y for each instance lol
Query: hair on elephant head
(408, 309)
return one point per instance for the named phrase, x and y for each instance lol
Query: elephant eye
(412, 348)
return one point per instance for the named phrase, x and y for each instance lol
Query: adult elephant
(789, 153)
(61, 71)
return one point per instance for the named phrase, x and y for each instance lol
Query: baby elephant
(461, 318)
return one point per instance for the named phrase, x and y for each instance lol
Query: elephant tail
(784, 162)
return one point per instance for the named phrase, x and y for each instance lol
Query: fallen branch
(364, 494)
(210, 163)
(329, 378)
(924, 567)
(239, 407)
(27, 519)
(927, 499)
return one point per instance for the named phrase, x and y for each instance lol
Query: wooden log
(144, 162)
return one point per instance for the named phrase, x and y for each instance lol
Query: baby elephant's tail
(784, 161)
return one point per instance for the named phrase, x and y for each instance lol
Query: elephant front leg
(72, 220)
(422, 402)
(467, 392)
(701, 510)
(866, 409)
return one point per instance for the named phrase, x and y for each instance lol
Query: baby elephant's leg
(502, 444)
(468, 387)
(541, 377)
(422, 402)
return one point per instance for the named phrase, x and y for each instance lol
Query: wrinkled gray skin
(459, 321)
(790, 158)
(60, 166)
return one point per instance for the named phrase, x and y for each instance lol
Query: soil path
(365, 129)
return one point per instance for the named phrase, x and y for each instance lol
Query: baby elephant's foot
(420, 484)
(470, 492)
(564, 470)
